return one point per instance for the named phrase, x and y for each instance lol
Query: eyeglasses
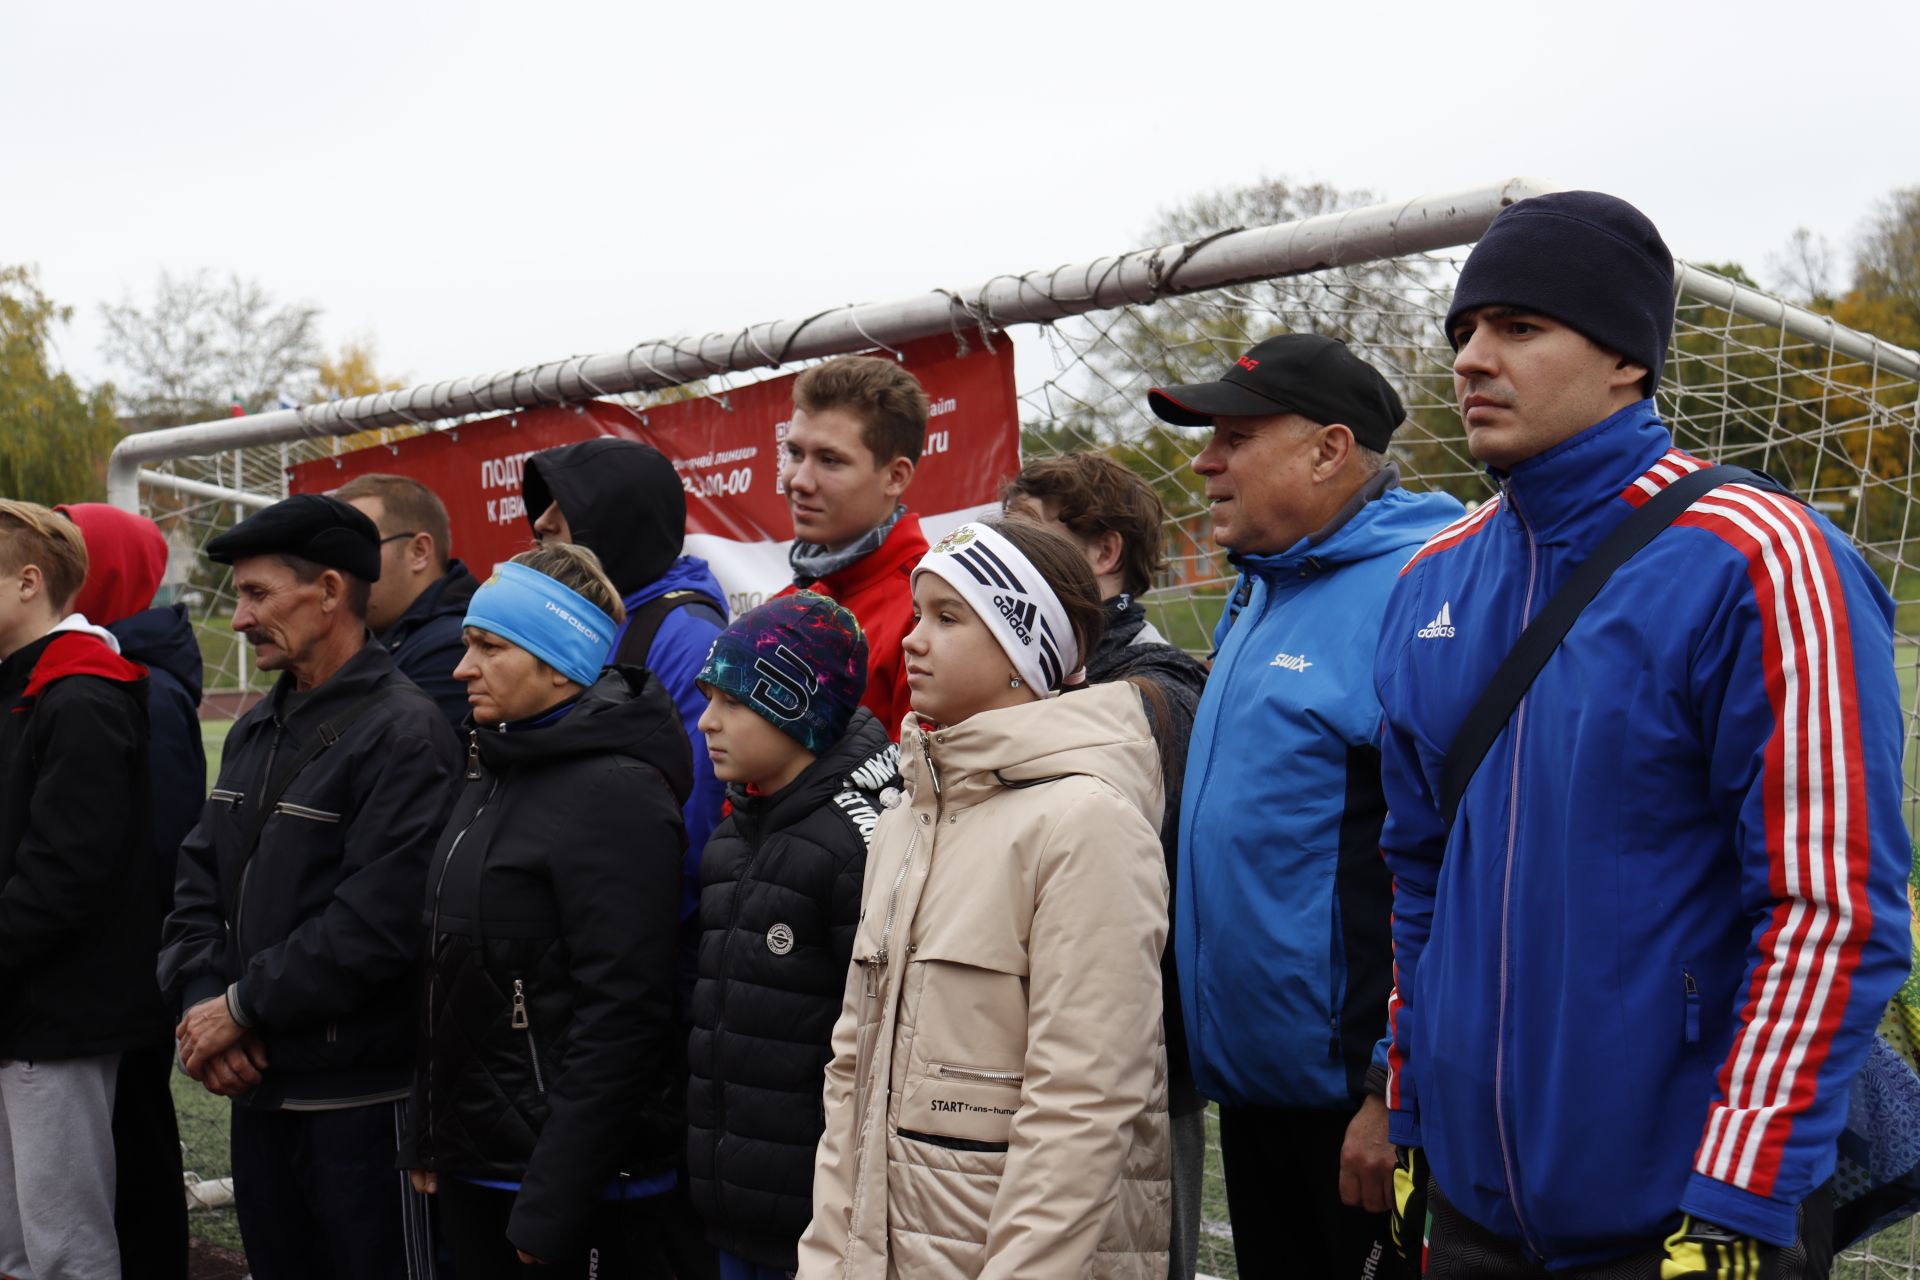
(396, 537)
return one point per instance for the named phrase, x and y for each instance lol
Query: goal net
(1750, 380)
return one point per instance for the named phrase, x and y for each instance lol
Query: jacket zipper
(977, 1075)
(720, 1021)
(521, 1022)
(246, 871)
(433, 934)
(1506, 904)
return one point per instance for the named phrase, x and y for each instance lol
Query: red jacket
(878, 591)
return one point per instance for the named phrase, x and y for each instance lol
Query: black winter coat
(162, 641)
(77, 922)
(779, 903)
(425, 640)
(549, 1051)
(317, 926)
(1129, 649)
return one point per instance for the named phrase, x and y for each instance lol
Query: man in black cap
(1644, 931)
(1282, 903)
(296, 916)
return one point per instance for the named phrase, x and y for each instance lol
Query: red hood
(76, 653)
(126, 558)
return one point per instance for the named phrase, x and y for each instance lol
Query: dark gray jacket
(318, 924)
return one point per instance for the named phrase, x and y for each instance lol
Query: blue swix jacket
(1282, 899)
(1636, 976)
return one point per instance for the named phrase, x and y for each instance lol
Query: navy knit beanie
(800, 661)
(1588, 260)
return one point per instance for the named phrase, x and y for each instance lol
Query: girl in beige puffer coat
(996, 1102)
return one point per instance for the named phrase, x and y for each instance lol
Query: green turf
(203, 1142)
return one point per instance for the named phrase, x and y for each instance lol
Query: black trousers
(150, 1208)
(1458, 1248)
(1283, 1193)
(318, 1196)
(629, 1239)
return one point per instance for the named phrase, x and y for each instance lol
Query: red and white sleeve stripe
(1815, 823)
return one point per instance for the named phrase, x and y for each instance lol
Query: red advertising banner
(727, 450)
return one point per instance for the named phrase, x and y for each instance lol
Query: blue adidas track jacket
(1638, 974)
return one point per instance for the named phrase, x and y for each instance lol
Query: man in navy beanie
(1639, 958)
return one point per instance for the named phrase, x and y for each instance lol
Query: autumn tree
(201, 345)
(54, 435)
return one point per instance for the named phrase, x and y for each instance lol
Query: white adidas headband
(1011, 597)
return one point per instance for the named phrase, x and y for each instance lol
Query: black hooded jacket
(425, 640)
(1127, 649)
(162, 640)
(622, 500)
(549, 1053)
(779, 903)
(77, 930)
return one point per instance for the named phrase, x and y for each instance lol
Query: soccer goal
(1751, 379)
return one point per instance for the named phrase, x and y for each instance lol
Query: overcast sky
(483, 185)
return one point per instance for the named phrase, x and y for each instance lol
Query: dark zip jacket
(162, 641)
(779, 902)
(316, 926)
(1130, 648)
(549, 1054)
(77, 929)
(425, 640)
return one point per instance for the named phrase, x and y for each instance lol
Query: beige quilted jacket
(996, 1105)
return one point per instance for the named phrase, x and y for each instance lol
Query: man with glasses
(421, 595)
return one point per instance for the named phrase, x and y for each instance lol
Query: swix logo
(1020, 613)
(1290, 661)
(1441, 628)
(1248, 363)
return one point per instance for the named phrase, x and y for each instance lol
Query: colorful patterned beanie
(800, 661)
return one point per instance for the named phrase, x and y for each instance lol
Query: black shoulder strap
(1543, 635)
(644, 623)
(328, 733)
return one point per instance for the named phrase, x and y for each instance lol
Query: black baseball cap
(313, 526)
(1304, 373)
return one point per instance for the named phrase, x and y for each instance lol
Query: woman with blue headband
(547, 1115)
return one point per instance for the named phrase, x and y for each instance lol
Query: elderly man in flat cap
(296, 916)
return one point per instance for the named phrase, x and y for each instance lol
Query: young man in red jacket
(858, 426)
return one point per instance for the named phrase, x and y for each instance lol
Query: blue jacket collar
(1561, 492)
(1389, 518)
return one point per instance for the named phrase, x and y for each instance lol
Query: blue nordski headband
(551, 621)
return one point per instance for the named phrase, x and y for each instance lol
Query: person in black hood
(416, 604)
(126, 560)
(623, 501)
(779, 902)
(548, 1114)
(1115, 518)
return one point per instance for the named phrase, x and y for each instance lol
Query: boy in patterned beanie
(779, 901)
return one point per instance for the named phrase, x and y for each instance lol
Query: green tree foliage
(54, 435)
(201, 346)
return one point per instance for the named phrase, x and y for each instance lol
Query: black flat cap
(1303, 373)
(309, 525)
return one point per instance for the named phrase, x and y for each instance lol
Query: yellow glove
(1407, 1219)
(1702, 1251)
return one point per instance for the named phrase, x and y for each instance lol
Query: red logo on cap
(1247, 362)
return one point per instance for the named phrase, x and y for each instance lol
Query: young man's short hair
(1092, 494)
(37, 535)
(409, 506)
(888, 400)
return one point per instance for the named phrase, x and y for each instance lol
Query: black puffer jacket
(779, 902)
(549, 1052)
